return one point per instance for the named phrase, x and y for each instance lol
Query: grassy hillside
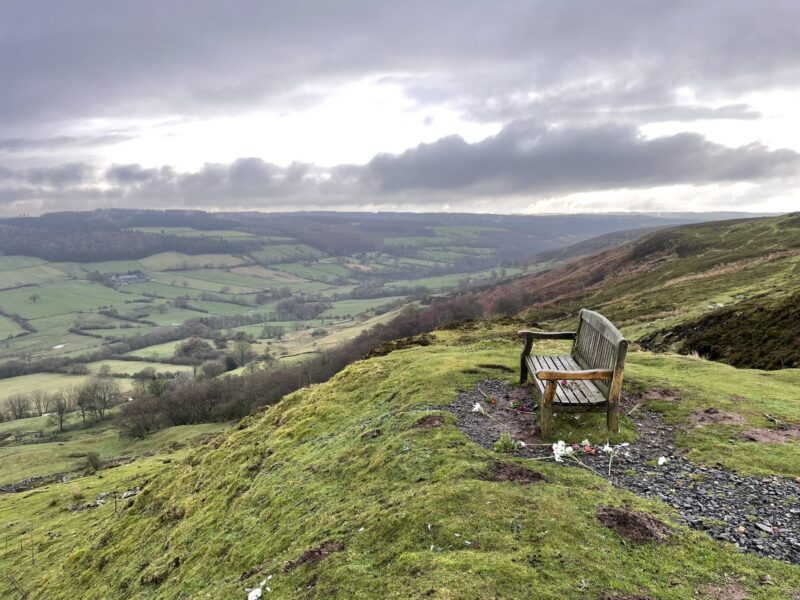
(680, 276)
(338, 491)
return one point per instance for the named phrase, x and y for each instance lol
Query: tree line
(222, 398)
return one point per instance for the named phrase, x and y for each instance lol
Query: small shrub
(505, 443)
(77, 494)
(93, 463)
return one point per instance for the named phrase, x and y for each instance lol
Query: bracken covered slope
(673, 280)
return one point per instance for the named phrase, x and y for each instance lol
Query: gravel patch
(757, 514)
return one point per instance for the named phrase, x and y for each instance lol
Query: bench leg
(612, 417)
(546, 409)
(523, 369)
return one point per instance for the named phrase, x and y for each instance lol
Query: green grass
(18, 262)
(27, 276)
(411, 507)
(110, 266)
(271, 275)
(450, 281)
(34, 456)
(356, 307)
(319, 270)
(61, 298)
(167, 261)
(131, 367)
(243, 283)
(52, 331)
(9, 328)
(747, 392)
(274, 253)
(158, 350)
(44, 382)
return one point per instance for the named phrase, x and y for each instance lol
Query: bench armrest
(542, 335)
(547, 335)
(591, 374)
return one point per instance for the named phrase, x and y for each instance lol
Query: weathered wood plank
(598, 350)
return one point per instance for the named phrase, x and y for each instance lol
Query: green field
(29, 276)
(9, 328)
(169, 261)
(158, 350)
(273, 253)
(18, 262)
(450, 281)
(38, 382)
(58, 300)
(61, 298)
(319, 270)
(28, 453)
(111, 266)
(351, 308)
(131, 367)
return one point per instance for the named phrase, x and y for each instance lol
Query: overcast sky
(463, 105)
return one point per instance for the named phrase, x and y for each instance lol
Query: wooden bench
(589, 379)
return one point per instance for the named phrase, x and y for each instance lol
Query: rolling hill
(726, 290)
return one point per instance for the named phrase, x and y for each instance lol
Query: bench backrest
(600, 345)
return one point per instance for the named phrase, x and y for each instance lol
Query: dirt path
(758, 514)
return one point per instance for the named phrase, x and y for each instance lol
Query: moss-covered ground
(411, 507)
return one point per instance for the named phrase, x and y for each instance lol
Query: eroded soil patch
(428, 422)
(771, 435)
(313, 555)
(638, 527)
(714, 416)
(504, 471)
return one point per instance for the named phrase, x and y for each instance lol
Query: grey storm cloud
(524, 159)
(70, 174)
(201, 56)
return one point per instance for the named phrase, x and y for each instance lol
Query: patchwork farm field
(290, 284)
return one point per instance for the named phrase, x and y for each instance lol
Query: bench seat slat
(578, 395)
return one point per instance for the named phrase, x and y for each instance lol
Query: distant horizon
(408, 212)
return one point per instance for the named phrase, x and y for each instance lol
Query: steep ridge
(675, 276)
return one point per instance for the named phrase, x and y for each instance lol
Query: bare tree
(41, 402)
(18, 406)
(62, 404)
(98, 395)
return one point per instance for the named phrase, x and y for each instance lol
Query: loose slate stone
(710, 498)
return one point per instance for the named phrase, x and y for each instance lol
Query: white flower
(477, 408)
(522, 445)
(561, 449)
(607, 449)
(662, 460)
(255, 593)
(586, 443)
